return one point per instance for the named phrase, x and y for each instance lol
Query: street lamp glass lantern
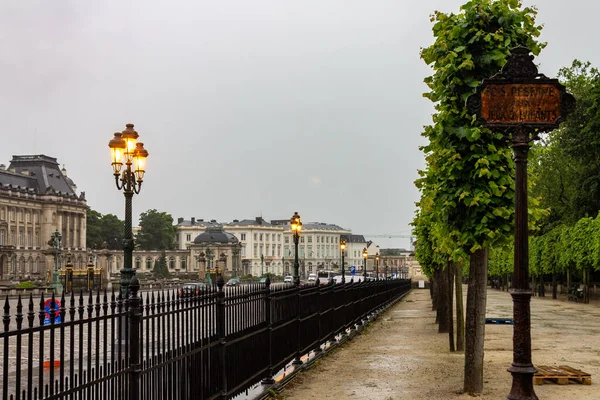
(130, 137)
(365, 253)
(139, 161)
(343, 244)
(117, 151)
(295, 224)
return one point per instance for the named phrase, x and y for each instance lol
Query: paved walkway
(401, 355)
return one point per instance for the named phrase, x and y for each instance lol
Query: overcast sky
(247, 108)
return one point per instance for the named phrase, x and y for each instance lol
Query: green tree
(103, 231)
(161, 269)
(111, 230)
(93, 236)
(565, 167)
(470, 172)
(157, 231)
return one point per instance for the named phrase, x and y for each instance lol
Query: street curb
(278, 387)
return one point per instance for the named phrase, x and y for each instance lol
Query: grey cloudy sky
(247, 108)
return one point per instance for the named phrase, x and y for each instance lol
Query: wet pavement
(401, 355)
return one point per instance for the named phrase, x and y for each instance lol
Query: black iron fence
(160, 345)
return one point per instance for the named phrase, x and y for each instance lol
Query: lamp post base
(522, 385)
(57, 287)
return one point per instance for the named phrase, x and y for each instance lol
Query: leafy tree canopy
(103, 231)
(157, 231)
(470, 172)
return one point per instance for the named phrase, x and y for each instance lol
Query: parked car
(233, 282)
(312, 278)
(263, 280)
(288, 279)
(192, 289)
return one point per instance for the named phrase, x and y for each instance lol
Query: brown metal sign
(520, 96)
(515, 103)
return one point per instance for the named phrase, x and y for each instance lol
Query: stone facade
(36, 199)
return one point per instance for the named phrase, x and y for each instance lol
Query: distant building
(354, 248)
(268, 247)
(36, 199)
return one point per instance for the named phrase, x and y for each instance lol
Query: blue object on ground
(508, 321)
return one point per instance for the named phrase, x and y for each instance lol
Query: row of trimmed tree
(467, 187)
(465, 217)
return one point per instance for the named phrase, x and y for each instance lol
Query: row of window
(27, 240)
(149, 263)
(258, 237)
(22, 266)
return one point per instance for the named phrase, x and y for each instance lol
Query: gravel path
(401, 355)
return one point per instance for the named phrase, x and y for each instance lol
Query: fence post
(135, 319)
(320, 328)
(268, 379)
(297, 361)
(221, 334)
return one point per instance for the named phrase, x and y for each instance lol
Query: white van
(312, 278)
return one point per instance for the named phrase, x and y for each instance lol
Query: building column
(82, 239)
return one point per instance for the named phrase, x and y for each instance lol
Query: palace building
(36, 199)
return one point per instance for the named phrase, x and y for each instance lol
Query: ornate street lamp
(208, 266)
(377, 266)
(365, 255)
(236, 253)
(55, 240)
(296, 227)
(343, 250)
(124, 149)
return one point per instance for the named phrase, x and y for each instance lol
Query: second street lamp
(377, 266)
(125, 149)
(365, 255)
(343, 250)
(56, 285)
(296, 227)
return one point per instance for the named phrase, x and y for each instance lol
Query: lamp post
(209, 266)
(56, 285)
(377, 266)
(296, 227)
(124, 148)
(236, 252)
(262, 261)
(343, 250)
(365, 255)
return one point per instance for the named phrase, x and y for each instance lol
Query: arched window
(149, 264)
(30, 266)
(22, 265)
(183, 264)
(119, 263)
(13, 265)
(171, 262)
(138, 263)
(36, 266)
(310, 267)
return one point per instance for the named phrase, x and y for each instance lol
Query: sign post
(522, 103)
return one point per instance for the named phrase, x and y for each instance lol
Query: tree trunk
(475, 322)
(569, 283)
(450, 281)
(542, 286)
(533, 285)
(586, 286)
(460, 315)
(554, 286)
(443, 301)
(434, 294)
